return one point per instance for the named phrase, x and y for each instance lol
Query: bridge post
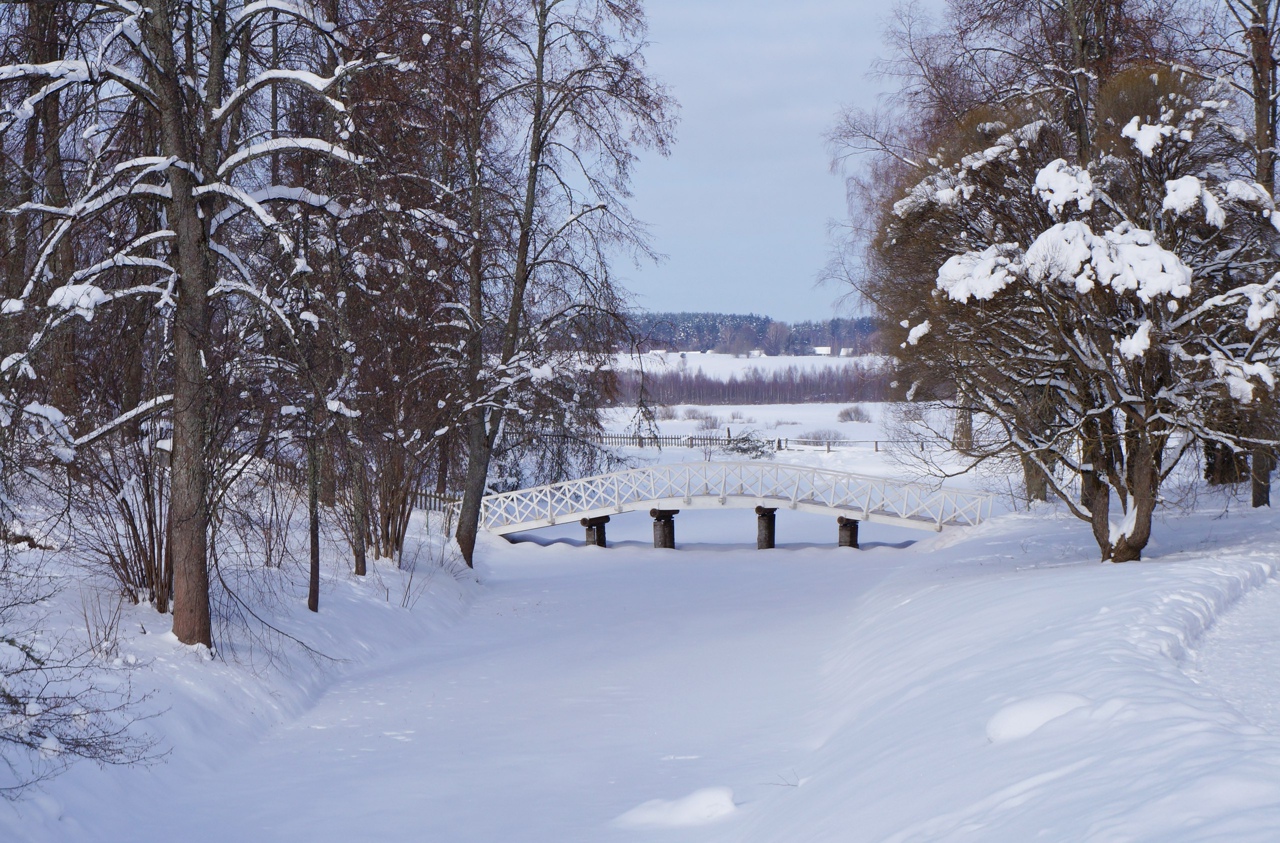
(766, 521)
(595, 530)
(848, 531)
(664, 527)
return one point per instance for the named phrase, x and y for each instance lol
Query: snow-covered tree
(166, 106)
(1100, 316)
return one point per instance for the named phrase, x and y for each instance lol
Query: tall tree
(557, 103)
(1046, 197)
(203, 72)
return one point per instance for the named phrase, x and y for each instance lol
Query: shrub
(853, 414)
(822, 435)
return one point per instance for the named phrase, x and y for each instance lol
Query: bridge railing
(853, 494)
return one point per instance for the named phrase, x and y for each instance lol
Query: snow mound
(698, 808)
(1019, 719)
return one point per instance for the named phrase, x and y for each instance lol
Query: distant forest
(732, 333)
(856, 381)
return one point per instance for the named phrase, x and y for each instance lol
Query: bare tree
(558, 103)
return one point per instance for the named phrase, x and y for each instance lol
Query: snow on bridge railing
(735, 484)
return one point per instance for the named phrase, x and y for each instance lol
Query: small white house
(822, 350)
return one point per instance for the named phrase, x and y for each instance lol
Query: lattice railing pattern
(734, 483)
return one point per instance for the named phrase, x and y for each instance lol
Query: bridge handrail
(617, 491)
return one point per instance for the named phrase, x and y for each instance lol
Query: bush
(822, 435)
(853, 414)
(751, 445)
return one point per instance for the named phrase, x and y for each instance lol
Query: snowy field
(770, 421)
(988, 684)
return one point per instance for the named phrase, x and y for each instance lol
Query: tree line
(792, 385)
(730, 333)
(1070, 236)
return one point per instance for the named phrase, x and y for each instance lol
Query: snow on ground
(991, 684)
(769, 421)
(1238, 658)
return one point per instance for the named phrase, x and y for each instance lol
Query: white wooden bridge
(766, 486)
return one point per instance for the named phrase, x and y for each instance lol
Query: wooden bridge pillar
(766, 521)
(848, 531)
(595, 530)
(664, 527)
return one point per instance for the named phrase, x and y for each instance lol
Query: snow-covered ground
(769, 421)
(989, 684)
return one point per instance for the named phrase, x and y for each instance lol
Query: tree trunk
(359, 505)
(1262, 464)
(189, 498)
(313, 519)
(62, 347)
(189, 505)
(1262, 68)
(962, 433)
(1035, 481)
(1142, 500)
(479, 453)
(1223, 466)
(442, 465)
(1100, 514)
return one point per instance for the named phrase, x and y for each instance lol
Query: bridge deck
(737, 485)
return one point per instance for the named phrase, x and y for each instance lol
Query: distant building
(822, 350)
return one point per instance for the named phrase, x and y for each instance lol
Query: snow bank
(698, 808)
(1008, 694)
(1024, 717)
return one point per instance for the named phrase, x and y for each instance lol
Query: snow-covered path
(1240, 657)
(994, 684)
(583, 683)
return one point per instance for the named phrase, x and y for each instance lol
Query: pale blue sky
(742, 206)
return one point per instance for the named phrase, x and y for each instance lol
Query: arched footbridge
(665, 490)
